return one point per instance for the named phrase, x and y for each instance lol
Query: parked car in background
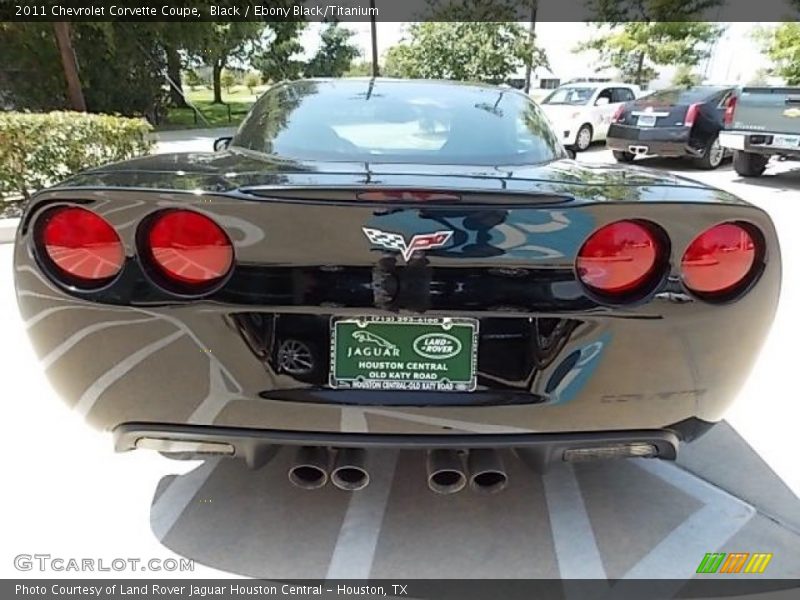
(681, 122)
(761, 122)
(581, 112)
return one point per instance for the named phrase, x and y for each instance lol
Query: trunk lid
(771, 110)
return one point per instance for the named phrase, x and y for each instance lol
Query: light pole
(374, 31)
(531, 34)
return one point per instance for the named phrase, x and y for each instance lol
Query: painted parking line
(678, 554)
(180, 492)
(576, 549)
(355, 547)
(354, 419)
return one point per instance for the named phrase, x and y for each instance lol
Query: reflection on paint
(572, 374)
(529, 234)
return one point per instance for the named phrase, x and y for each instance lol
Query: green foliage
(39, 149)
(229, 114)
(465, 51)
(193, 79)
(614, 12)
(479, 10)
(228, 80)
(218, 42)
(633, 48)
(335, 54)
(121, 66)
(638, 34)
(782, 45)
(31, 66)
(397, 61)
(274, 57)
(361, 68)
(251, 80)
(685, 77)
(760, 77)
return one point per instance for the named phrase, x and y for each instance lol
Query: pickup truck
(761, 122)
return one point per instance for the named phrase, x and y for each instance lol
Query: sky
(735, 59)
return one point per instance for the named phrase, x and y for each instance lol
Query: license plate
(404, 353)
(786, 141)
(646, 121)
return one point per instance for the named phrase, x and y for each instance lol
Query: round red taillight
(82, 246)
(619, 258)
(189, 248)
(719, 259)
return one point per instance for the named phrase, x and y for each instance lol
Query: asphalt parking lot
(734, 490)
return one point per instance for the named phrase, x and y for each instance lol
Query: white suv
(580, 113)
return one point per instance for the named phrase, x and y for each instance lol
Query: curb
(8, 229)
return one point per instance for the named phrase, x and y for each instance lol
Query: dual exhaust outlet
(446, 470)
(311, 469)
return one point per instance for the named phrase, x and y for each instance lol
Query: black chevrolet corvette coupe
(375, 263)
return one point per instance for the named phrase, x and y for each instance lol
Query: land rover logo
(437, 346)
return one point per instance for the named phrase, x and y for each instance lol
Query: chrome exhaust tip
(310, 471)
(445, 472)
(487, 475)
(349, 471)
(638, 150)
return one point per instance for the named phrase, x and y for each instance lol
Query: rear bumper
(551, 358)
(663, 141)
(256, 447)
(756, 143)
(567, 132)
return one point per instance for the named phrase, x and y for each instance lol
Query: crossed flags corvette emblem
(395, 241)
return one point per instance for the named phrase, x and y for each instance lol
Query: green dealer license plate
(404, 353)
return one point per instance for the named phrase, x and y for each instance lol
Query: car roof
(599, 84)
(698, 88)
(441, 83)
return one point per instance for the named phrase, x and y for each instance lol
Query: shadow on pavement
(621, 519)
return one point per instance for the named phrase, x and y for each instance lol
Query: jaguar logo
(395, 241)
(371, 345)
(367, 337)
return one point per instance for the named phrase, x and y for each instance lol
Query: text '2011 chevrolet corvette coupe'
(375, 263)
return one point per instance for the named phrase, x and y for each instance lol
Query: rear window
(677, 96)
(577, 96)
(388, 121)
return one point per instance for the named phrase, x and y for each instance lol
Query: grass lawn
(239, 100)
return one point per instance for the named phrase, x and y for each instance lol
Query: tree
(121, 67)
(174, 66)
(782, 45)
(638, 34)
(227, 79)
(335, 54)
(360, 68)
(397, 61)
(633, 47)
(685, 77)
(277, 49)
(760, 77)
(466, 51)
(193, 80)
(217, 43)
(63, 33)
(251, 80)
